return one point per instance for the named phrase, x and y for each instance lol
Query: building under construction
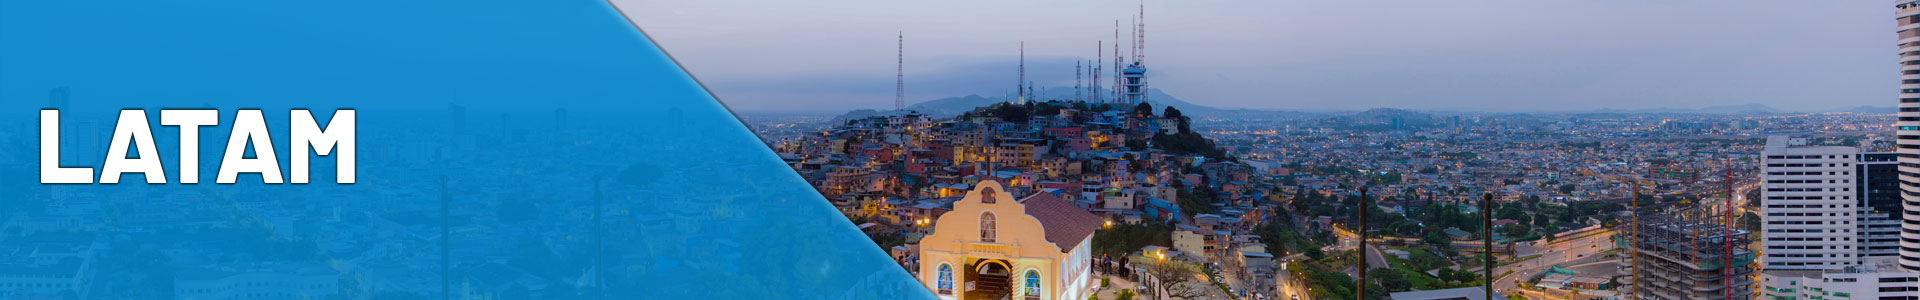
(1683, 256)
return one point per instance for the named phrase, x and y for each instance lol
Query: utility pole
(1360, 286)
(1486, 231)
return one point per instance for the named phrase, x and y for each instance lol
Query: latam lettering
(249, 127)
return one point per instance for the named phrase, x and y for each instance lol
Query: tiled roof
(1066, 225)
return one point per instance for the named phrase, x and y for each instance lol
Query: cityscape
(1171, 200)
(1111, 186)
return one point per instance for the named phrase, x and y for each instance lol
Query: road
(1550, 254)
(1349, 241)
(1286, 286)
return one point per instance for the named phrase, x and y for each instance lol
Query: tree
(1517, 230)
(1457, 275)
(1437, 238)
(1121, 239)
(1011, 113)
(1750, 222)
(1314, 253)
(1196, 201)
(1509, 211)
(1169, 275)
(1390, 279)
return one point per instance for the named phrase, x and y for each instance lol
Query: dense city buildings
(1556, 180)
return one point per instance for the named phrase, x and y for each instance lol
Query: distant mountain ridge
(1868, 109)
(1749, 109)
(951, 106)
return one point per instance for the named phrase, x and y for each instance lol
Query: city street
(1286, 286)
(1588, 246)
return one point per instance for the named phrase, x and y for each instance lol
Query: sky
(1470, 55)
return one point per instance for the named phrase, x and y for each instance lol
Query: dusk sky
(1517, 55)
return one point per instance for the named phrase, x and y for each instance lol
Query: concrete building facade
(1808, 205)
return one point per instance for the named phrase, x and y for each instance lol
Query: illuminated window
(986, 227)
(1033, 285)
(945, 283)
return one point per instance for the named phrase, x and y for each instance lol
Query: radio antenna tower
(1118, 62)
(1093, 87)
(1140, 37)
(1076, 81)
(1140, 55)
(1021, 85)
(900, 74)
(1133, 42)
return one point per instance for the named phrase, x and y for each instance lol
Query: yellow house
(992, 246)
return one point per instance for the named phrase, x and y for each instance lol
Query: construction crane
(1633, 205)
(1726, 234)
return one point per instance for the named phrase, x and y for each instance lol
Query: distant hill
(1742, 109)
(1750, 108)
(1747, 109)
(1868, 109)
(952, 106)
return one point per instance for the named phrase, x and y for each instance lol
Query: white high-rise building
(1907, 14)
(1807, 219)
(1812, 222)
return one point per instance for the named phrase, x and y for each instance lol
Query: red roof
(1066, 225)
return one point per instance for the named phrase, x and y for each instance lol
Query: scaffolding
(1686, 257)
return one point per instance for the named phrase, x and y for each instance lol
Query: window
(986, 227)
(945, 283)
(987, 196)
(1033, 285)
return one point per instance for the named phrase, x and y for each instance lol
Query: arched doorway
(989, 279)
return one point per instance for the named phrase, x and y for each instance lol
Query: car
(1296, 296)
